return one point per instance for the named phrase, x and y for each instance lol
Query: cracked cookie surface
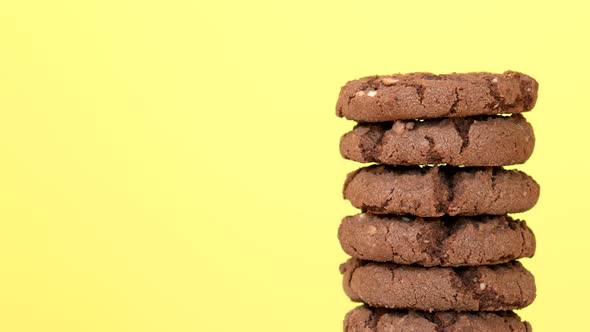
(427, 96)
(475, 141)
(500, 287)
(367, 319)
(440, 190)
(451, 241)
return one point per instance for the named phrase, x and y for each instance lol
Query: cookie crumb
(398, 127)
(482, 286)
(372, 93)
(388, 81)
(495, 80)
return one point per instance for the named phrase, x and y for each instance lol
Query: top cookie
(426, 96)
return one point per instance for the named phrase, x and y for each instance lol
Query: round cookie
(440, 190)
(482, 288)
(451, 241)
(491, 141)
(367, 319)
(427, 96)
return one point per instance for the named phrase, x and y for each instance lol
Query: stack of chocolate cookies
(434, 248)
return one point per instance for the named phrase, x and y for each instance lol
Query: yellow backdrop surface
(174, 165)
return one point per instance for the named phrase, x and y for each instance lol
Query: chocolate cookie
(475, 141)
(440, 190)
(427, 96)
(483, 288)
(367, 319)
(451, 241)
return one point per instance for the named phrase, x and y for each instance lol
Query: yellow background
(174, 165)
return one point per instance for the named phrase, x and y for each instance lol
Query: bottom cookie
(366, 319)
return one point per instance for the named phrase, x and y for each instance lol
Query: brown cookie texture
(475, 141)
(450, 241)
(440, 190)
(427, 96)
(500, 287)
(367, 319)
